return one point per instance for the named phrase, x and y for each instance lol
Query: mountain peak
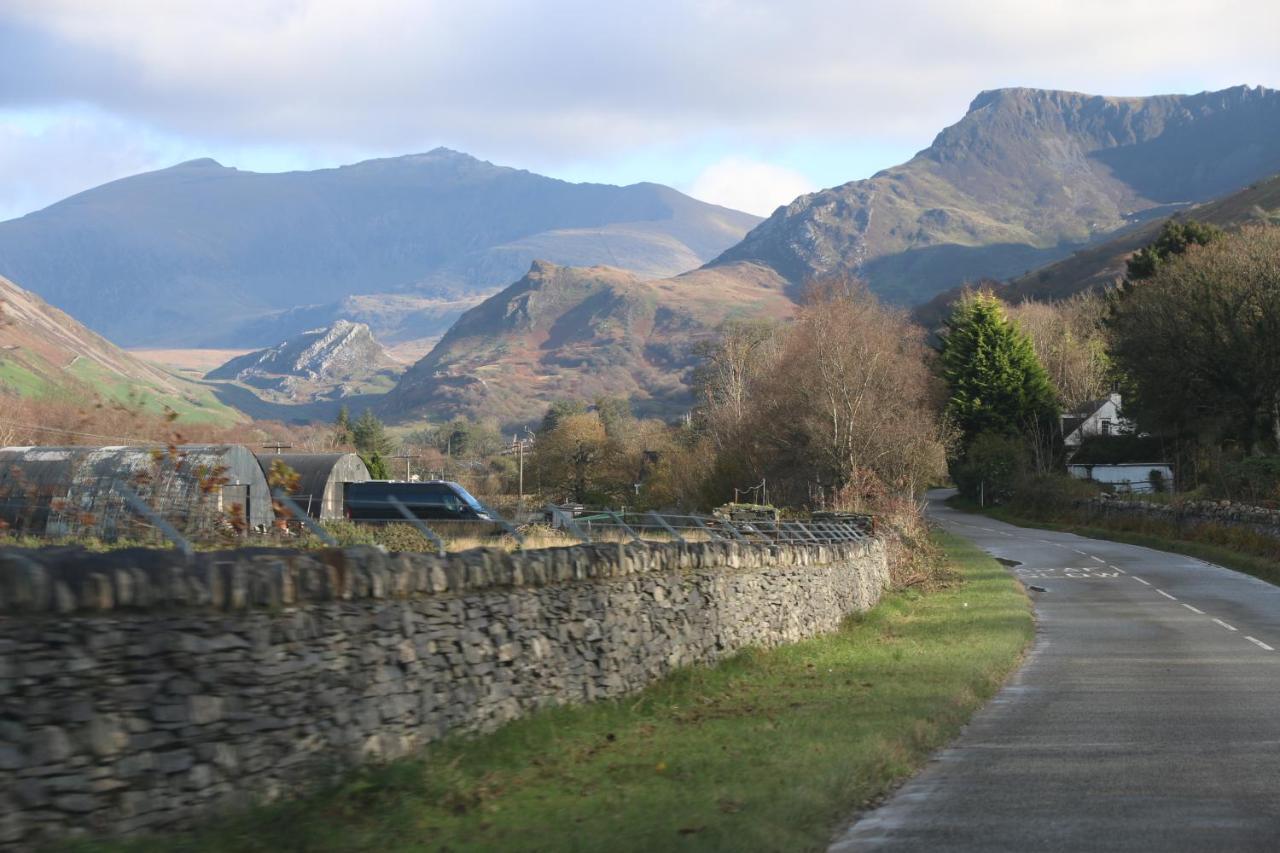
(200, 163)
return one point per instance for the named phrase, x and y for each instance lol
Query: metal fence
(121, 512)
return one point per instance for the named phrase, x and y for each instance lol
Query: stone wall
(1261, 519)
(138, 691)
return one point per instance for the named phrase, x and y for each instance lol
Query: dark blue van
(438, 500)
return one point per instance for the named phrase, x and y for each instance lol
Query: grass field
(770, 750)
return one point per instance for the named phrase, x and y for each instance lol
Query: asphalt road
(1147, 716)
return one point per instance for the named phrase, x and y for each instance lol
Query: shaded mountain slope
(1023, 179)
(194, 254)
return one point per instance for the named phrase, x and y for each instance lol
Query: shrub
(992, 465)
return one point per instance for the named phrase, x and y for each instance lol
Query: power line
(62, 431)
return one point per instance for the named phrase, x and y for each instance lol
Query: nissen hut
(63, 491)
(321, 479)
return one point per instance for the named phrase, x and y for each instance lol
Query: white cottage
(1099, 417)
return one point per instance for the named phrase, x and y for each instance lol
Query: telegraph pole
(407, 463)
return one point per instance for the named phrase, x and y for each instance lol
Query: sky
(738, 102)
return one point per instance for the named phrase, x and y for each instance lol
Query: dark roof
(314, 469)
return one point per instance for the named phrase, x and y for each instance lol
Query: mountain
(344, 350)
(1026, 177)
(204, 255)
(1103, 264)
(562, 332)
(44, 352)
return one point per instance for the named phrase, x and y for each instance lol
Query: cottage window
(1106, 426)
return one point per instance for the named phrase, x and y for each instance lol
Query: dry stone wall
(1231, 513)
(141, 691)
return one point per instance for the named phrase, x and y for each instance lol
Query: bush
(1255, 479)
(1051, 496)
(991, 467)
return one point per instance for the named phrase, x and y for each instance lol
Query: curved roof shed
(62, 491)
(321, 477)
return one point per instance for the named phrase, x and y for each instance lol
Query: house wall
(1092, 425)
(139, 691)
(1135, 477)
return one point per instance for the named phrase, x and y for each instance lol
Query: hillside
(204, 255)
(330, 363)
(44, 352)
(1026, 177)
(1103, 264)
(564, 332)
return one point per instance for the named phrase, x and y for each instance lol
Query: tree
(342, 428)
(615, 414)
(566, 459)
(1175, 237)
(995, 381)
(1200, 342)
(558, 411)
(730, 364)
(369, 435)
(1070, 341)
(376, 464)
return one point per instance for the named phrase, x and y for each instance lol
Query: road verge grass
(768, 750)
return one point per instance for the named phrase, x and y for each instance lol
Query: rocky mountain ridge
(1024, 178)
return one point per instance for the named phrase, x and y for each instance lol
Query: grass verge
(1152, 534)
(769, 750)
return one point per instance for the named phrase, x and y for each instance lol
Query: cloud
(548, 84)
(749, 185)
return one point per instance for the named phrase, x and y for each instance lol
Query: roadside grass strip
(768, 750)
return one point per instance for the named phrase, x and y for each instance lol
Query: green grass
(1235, 548)
(197, 404)
(769, 750)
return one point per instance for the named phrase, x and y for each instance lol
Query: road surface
(1147, 716)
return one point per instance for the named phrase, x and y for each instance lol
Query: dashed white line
(1140, 580)
(1192, 609)
(1225, 625)
(1096, 559)
(1078, 551)
(1166, 595)
(1118, 569)
(1259, 643)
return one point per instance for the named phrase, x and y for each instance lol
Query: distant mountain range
(1025, 178)
(200, 254)
(45, 353)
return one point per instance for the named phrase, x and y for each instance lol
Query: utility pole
(277, 447)
(406, 458)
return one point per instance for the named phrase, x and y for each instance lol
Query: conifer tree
(996, 383)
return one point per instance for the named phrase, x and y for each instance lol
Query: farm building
(321, 477)
(60, 491)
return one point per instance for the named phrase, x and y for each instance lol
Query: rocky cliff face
(340, 351)
(1023, 179)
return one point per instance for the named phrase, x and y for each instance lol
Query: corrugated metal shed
(72, 490)
(321, 477)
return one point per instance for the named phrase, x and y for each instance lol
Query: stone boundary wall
(1263, 520)
(140, 691)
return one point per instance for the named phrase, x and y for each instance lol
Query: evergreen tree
(996, 383)
(370, 436)
(1174, 239)
(342, 427)
(376, 464)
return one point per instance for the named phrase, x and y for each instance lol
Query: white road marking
(1096, 559)
(1140, 580)
(1081, 553)
(1118, 569)
(988, 529)
(1224, 624)
(1259, 643)
(1192, 609)
(1166, 595)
